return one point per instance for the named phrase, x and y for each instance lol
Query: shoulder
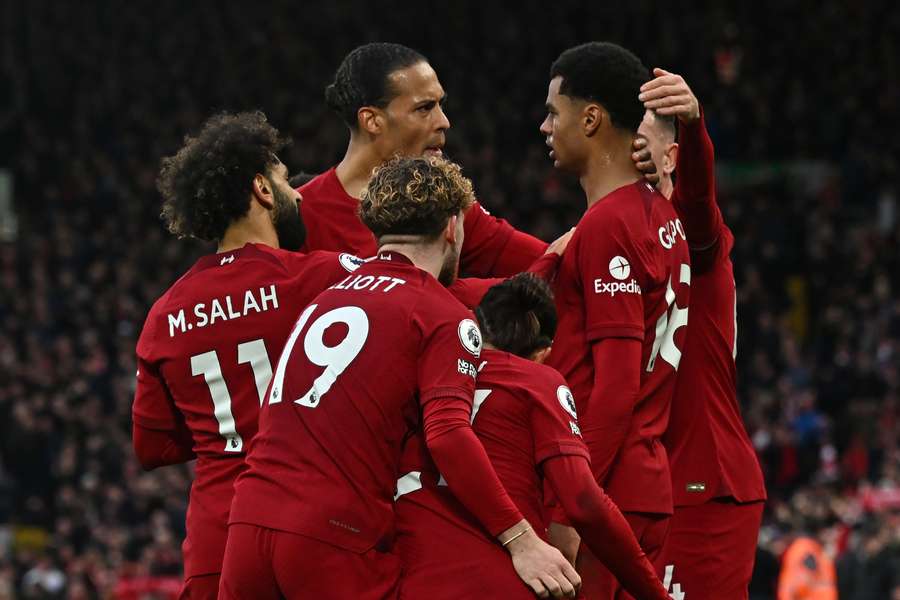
(312, 189)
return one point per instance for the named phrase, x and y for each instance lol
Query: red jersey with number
(205, 356)
(359, 365)
(491, 247)
(709, 449)
(626, 274)
(523, 414)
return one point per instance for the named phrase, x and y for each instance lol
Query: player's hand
(643, 160)
(668, 94)
(566, 539)
(560, 244)
(543, 568)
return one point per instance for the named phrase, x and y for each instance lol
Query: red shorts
(262, 563)
(200, 587)
(711, 549)
(448, 560)
(597, 583)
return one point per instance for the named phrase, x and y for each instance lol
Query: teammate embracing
(384, 352)
(718, 485)
(621, 293)
(525, 416)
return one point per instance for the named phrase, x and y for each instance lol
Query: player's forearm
(461, 459)
(617, 382)
(602, 527)
(694, 198)
(155, 448)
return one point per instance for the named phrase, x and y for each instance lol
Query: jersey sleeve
(694, 196)
(554, 422)
(613, 268)
(451, 345)
(494, 248)
(153, 406)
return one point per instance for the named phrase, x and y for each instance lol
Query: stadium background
(802, 101)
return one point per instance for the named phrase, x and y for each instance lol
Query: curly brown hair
(206, 186)
(414, 196)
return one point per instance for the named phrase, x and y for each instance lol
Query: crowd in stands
(802, 101)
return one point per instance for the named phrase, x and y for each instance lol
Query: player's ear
(540, 355)
(591, 119)
(263, 192)
(370, 120)
(450, 232)
(670, 158)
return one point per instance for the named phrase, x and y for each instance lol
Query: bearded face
(287, 220)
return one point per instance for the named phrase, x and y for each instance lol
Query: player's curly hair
(414, 196)
(518, 315)
(363, 78)
(207, 184)
(605, 73)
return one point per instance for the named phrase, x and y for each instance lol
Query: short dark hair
(414, 196)
(362, 79)
(206, 185)
(605, 73)
(518, 315)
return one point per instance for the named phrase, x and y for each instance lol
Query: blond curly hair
(414, 196)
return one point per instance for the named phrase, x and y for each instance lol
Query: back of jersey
(205, 358)
(343, 398)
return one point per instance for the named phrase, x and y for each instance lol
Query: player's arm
(155, 448)
(494, 248)
(159, 434)
(602, 526)
(617, 382)
(694, 197)
(462, 460)
(470, 290)
(446, 376)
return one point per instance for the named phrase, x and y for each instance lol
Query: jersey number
(207, 364)
(668, 323)
(335, 359)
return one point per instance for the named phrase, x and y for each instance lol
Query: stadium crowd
(92, 96)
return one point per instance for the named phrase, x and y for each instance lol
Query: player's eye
(427, 107)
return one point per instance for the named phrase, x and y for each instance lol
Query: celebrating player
(391, 100)
(717, 482)
(313, 514)
(621, 292)
(525, 417)
(206, 350)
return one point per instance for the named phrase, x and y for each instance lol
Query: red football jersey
(206, 352)
(709, 450)
(358, 366)
(491, 247)
(626, 274)
(523, 414)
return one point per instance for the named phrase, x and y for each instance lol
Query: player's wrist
(518, 537)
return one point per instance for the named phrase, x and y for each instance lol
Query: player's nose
(443, 121)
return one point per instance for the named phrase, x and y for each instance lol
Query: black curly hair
(206, 186)
(362, 79)
(605, 73)
(518, 315)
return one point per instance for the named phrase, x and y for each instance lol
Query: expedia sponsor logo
(616, 287)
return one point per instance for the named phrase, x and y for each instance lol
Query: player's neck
(428, 258)
(666, 188)
(608, 169)
(355, 169)
(245, 232)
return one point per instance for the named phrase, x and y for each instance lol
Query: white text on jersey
(368, 282)
(670, 232)
(224, 309)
